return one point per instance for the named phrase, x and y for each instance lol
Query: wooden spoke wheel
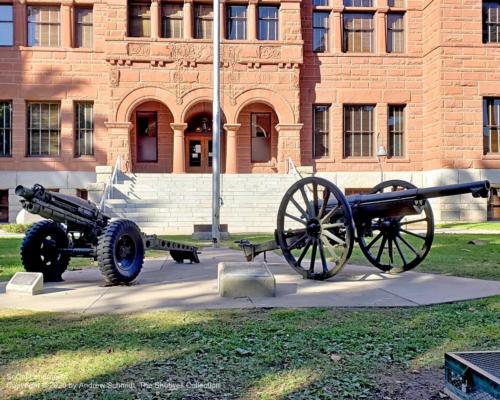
(315, 228)
(397, 244)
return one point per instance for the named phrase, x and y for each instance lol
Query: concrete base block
(245, 279)
(28, 283)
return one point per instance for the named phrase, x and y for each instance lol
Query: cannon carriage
(77, 228)
(317, 225)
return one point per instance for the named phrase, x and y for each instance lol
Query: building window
(396, 129)
(147, 136)
(236, 22)
(320, 3)
(204, 19)
(4, 205)
(44, 26)
(139, 19)
(321, 127)
(395, 33)
(171, 21)
(5, 128)
(491, 22)
(358, 131)
(268, 23)
(491, 125)
(84, 28)
(396, 3)
(84, 128)
(320, 31)
(358, 33)
(261, 137)
(82, 194)
(358, 3)
(6, 25)
(44, 129)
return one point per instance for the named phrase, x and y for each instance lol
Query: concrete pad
(165, 285)
(245, 279)
(27, 283)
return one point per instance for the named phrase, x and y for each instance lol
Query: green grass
(487, 226)
(257, 354)
(451, 254)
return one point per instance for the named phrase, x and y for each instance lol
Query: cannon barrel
(409, 201)
(77, 213)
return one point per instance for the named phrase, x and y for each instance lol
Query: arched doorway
(151, 137)
(198, 140)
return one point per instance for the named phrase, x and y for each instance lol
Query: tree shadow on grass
(230, 354)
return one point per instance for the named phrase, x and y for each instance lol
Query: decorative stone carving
(270, 52)
(114, 77)
(138, 49)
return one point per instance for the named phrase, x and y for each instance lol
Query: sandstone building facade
(332, 85)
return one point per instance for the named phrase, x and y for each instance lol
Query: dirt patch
(399, 384)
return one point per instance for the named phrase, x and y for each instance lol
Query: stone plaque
(30, 283)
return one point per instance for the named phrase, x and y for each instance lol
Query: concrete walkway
(167, 285)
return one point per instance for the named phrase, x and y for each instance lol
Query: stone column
(381, 31)
(288, 144)
(231, 148)
(223, 23)
(179, 158)
(188, 19)
(119, 144)
(67, 23)
(252, 20)
(155, 19)
(337, 31)
(20, 26)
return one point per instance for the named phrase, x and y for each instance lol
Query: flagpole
(216, 128)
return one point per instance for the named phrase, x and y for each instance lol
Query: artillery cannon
(77, 228)
(393, 225)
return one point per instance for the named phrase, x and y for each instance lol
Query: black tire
(120, 252)
(39, 250)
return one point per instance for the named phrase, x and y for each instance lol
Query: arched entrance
(198, 144)
(151, 137)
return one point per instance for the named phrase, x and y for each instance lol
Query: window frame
(198, 20)
(269, 114)
(137, 116)
(6, 154)
(401, 132)
(164, 17)
(82, 24)
(29, 129)
(78, 130)
(326, 31)
(11, 22)
(326, 133)
(390, 31)
(487, 126)
(350, 3)
(47, 24)
(230, 20)
(268, 21)
(486, 24)
(346, 32)
(137, 3)
(361, 132)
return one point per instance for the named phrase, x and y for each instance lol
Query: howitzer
(393, 225)
(77, 228)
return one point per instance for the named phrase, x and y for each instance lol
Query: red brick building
(326, 83)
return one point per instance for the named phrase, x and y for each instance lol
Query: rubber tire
(106, 260)
(30, 249)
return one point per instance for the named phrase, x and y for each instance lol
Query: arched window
(260, 126)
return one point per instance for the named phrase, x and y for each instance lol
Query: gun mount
(77, 228)
(393, 225)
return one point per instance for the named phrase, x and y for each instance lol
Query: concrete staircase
(168, 203)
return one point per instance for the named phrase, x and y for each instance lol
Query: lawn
(253, 354)
(451, 254)
(486, 226)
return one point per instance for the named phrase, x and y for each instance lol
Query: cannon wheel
(394, 245)
(315, 223)
(120, 252)
(40, 250)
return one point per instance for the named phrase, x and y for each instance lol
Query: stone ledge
(245, 279)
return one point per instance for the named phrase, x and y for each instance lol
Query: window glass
(84, 128)
(491, 22)
(395, 33)
(44, 27)
(396, 129)
(84, 27)
(203, 21)
(358, 33)
(321, 130)
(320, 31)
(268, 23)
(491, 125)
(261, 137)
(172, 23)
(6, 25)
(358, 131)
(5, 128)
(139, 19)
(236, 22)
(43, 129)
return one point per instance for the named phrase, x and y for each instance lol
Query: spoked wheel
(397, 244)
(41, 250)
(315, 224)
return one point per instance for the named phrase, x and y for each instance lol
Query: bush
(15, 228)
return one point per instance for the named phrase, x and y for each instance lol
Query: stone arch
(272, 99)
(137, 96)
(197, 96)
